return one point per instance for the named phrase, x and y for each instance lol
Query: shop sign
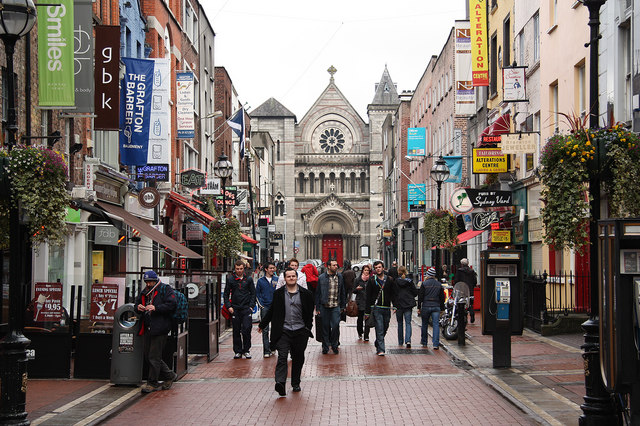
(107, 67)
(193, 179)
(387, 233)
(149, 197)
(489, 160)
(104, 301)
(47, 302)
(213, 186)
(193, 231)
(482, 198)
(514, 84)
(518, 143)
(106, 235)
(153, 172)
(484, 220)
(501, 236)
(460, 202)
(106, 191)
(230, 197)
(276, 236)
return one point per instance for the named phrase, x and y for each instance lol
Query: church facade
(328, 200)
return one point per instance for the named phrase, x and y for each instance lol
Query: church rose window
(332, 141)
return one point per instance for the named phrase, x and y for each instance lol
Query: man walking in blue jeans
(264, 293)
(240, 297)
(330, 301)
(430, 304)
(379, 296)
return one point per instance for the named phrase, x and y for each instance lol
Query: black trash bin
(127, 350)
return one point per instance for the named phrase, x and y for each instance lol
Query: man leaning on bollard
(157, 303)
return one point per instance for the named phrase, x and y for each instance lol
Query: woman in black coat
(360, 290)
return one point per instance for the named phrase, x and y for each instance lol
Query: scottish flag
(236, 122)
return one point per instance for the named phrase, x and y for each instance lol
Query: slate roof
(386, 93)
(272, 108)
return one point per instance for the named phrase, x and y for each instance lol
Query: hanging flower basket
(568, 162)
(224, 235)
(36, 178)
(440, 229)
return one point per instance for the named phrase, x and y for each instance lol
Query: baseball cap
(150, 276)
(431, 272)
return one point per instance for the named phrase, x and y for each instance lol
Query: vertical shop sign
(465, 95)
(479, 58)
(83, 55)
(159, 147)
(135, 111)
(56, 86)
(106, 95)
(184, 105)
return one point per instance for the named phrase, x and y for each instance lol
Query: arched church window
(312, 181)
(322, 183)
(332, 182)
(278, 149)
(332, 141)
(301, 183)
(363, 182)
(353, 182)
(343, 178)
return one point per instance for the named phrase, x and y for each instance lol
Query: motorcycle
(449, 320)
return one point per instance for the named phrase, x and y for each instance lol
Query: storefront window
(56, 264)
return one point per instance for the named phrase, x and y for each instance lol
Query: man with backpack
(157, 305)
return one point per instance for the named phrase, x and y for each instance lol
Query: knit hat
(431, 272)
(150, 276)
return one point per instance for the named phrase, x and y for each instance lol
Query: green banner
(55, 55)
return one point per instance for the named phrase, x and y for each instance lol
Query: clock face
(332, 141)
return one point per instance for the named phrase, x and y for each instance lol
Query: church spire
(386, 92)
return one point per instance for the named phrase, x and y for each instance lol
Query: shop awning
(499, 127)
(148, 230)
(248, 239)
(198, 214)
(465, 236)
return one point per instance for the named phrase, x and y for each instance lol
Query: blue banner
(455, 168)
(416, 197)
(416, 141)
(135, 111)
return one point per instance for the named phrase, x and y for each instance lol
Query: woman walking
(360, 290)
(404, 302)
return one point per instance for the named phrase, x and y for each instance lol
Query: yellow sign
(388, 233)
(479, 58)
(489, 160)
(97, 266)
(501, 236)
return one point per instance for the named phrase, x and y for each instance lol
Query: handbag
(225, 310)
(371, 322)
(318, 332)
(352, 308)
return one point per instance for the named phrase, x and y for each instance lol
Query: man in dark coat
(466, 275)
(330, 302)
(240, 298)
(156, 302)
(291, 318)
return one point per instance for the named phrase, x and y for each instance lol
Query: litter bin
(127, 348)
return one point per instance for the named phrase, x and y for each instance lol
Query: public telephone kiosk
(619, 310)
(502, 300)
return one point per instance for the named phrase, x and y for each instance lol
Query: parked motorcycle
(449, 320)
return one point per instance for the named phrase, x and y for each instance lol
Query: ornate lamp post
(17, 17)
(439, 173)
(223, 169)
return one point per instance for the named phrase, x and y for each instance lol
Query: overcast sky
(283, 48)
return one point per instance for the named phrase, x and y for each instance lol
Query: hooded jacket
(312, 275)
(405, 293)
(160, 321)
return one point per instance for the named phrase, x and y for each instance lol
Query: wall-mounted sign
(465, 94)
(501, 236)
(481, 198)
(514, 84)
(106, 190)
(489, 160)
(230, 197)
(104, 301)
(416, 141)
(47, 302)
(193, 231)
(107, 235)
(184, 105)
(213, 186)
(387, 233)
(153, 172)
(83, 54)
(479, 57)
(518, 143)
(193, 179)
(460, 202)
(276, 236)
(107, 68)
(484, 220)
(149, 197)
(417, 197)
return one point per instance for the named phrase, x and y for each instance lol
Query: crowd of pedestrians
(288, 302)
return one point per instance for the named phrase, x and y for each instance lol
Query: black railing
(547, 297)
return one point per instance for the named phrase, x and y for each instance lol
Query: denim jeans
(241, 323)
(330, 327)
(404, 315)
(382, 316)
(265, 333)
(434, 313)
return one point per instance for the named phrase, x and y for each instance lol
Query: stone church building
(328, 199)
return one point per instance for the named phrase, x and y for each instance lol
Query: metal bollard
(462, 322)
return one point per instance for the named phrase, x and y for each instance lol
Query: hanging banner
(417, 197)
(416, 141)
(479, 58)
(465, 94)
(83, 55)
(184, 105)
(56, 86)
(514, 87)
(135, 111)
(159, 146)
(107, 69)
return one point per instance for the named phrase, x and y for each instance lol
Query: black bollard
(462, 322)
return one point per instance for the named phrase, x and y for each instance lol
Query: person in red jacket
(312, 277)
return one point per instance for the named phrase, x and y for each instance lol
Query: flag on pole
(236, 122)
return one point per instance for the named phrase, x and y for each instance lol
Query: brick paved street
(355, 387)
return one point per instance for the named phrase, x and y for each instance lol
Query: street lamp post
(223, 169)
(439, 173)
(17, 17)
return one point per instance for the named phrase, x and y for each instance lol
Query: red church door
(332, 248)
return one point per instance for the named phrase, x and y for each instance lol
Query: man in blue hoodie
(264, 293)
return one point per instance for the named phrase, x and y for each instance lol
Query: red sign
(104, 302)
(47, 302)
(495, 225)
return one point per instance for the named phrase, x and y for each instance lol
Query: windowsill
(493, 96)
(553, 27)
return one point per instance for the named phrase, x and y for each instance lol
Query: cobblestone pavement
(417, 386)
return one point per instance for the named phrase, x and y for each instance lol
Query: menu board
(47, 302)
